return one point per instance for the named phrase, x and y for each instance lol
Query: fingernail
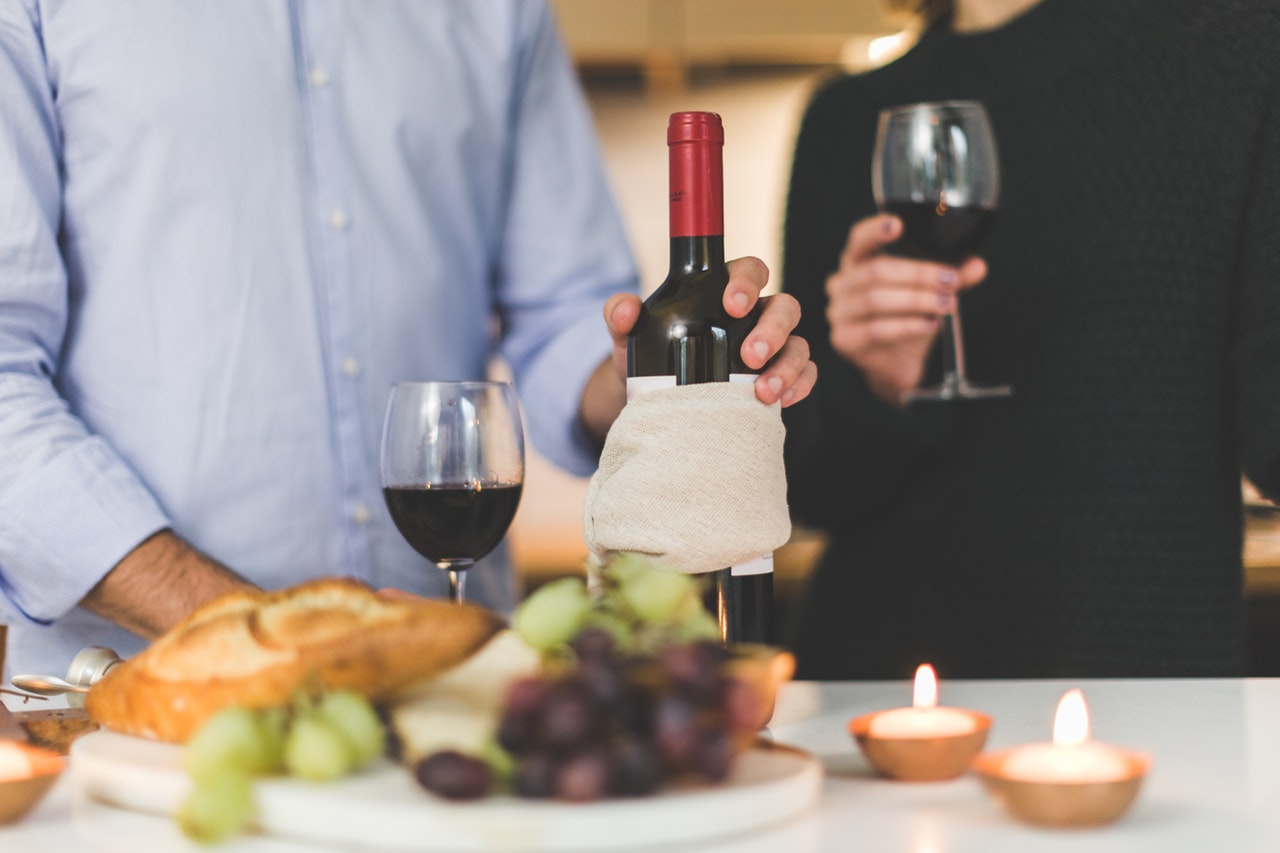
(946, 300)
(789, 396)
(775, 385)
(761, 349)
(947, 277)
(740, 299)
(886, 227)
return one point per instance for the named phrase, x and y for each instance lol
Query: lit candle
(1072, 757)
(924, 719)
(14, 763)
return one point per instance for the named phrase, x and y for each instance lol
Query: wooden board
(55, 728)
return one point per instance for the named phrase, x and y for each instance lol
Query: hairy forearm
(157, 584)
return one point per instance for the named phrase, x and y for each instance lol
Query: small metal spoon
(46, 685)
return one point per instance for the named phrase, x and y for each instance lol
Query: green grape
(353, 716)
(275, 727)
(315, 749)
(696, 625)
(219, 805)
(614, 624)
(232, 738)
(627, 564)
(501, 762)
(553, 614)
(656, 596)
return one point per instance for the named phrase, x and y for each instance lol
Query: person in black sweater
(1091, 524)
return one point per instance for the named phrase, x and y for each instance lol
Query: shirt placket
(320, 74)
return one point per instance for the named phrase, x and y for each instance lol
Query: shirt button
(319, 78)
(351, 367)
(361, 514)
(338, 219)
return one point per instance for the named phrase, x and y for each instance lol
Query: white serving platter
(382, 807)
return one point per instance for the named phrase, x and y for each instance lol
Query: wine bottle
(684, 336)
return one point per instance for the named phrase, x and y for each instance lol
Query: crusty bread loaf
(257, 649)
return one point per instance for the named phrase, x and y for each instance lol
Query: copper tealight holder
(921, 759)
(923, 743)
(19, 796)
(1064, 805)
(1073, 782)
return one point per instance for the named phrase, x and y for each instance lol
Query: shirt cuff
(67, 526)
(567, 362)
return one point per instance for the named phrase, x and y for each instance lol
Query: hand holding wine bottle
(786, 373)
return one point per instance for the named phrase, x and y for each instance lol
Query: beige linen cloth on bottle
(691, 476)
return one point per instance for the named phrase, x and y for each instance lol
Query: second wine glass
(452, 465)
(935, 167)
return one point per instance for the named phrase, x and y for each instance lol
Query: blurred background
(755, 62)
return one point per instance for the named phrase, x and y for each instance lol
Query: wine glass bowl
(936, 168)
(452, 465)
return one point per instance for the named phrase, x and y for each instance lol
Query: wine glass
(935, 167)
(453, 469)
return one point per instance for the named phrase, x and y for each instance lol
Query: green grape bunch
(643, 607)
(316, 739)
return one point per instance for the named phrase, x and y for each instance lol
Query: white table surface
(1214, 784)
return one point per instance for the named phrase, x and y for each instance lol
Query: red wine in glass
(935, 231)
(453, 523)
(452, 463)
(935, 166)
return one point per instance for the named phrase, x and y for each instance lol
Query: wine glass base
(957, 390)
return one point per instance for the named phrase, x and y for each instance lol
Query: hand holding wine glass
(935, 167)
(453, 469)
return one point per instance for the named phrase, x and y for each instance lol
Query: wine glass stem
(952, 349)
(457, 584)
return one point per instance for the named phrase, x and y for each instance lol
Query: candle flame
(926, 687)
(1071, 723)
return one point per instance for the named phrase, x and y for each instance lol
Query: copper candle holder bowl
(19, 796)
(921, 759)
(1064, 805)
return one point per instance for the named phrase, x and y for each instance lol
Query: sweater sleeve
(1257, 352)
(847, 451)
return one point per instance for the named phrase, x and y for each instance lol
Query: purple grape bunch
(614, 723)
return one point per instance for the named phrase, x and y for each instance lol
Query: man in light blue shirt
(226, 228)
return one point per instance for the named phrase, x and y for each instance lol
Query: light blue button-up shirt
(226, 228)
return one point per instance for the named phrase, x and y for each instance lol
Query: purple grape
(594, 644)
(454, 776)
(713, 754)
(635, 708)
(583, 778)
(675, 732)
(570, 717)
(693, 667)
(520, 725)
(633, 768)
(602, 679)
(535, 776)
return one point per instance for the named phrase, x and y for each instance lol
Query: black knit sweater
(1091, 524)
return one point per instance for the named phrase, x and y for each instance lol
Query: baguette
(259, 649)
